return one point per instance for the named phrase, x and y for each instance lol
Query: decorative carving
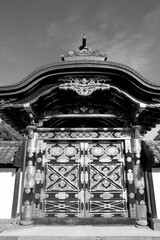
(70, 151)
(131, 195)
(37, 195)
(112, 150)
(84, 86)
(84, 109)
(36, 210)
(106, 195)
(62, 151)
(29, 177)
(43, 195)
(31, 133)
(154, 105)
(98, 151)
(88, 195)
(129, 159)
(62, 178)
(130, 176)
(62, 182)
(55, 151)
(39, 176)
(82, 135)
(139, 182)
(11, 102)
(80, 196)
(106, 177)
(106, 152)
(62, 195)
(136, 147)
(27, 190)
(132, 208)
(39, 160)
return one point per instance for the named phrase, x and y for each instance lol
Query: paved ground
(79, 232)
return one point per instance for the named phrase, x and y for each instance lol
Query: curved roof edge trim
(36, 74)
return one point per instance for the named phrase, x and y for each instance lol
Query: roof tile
(154, 147)
(8, 150)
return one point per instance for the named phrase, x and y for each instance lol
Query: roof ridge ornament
(84, 53)
(84, 40)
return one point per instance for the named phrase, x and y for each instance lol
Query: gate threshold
(84, 221)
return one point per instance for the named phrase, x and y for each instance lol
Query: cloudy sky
(36, 32)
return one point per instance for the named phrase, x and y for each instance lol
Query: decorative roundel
(112, 150)
(71, 53)
(98, 151)
(70, 151)
(56, 151)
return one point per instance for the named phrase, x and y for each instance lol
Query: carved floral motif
(62, 195)
(84, 86)
(106, 195)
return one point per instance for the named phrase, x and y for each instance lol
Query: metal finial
(83, 42)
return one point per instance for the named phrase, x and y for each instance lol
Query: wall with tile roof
(8, 151)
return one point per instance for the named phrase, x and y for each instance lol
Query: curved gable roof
(120, 75)
(126, 94)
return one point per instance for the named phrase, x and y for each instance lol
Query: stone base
(26, 222)
(141, 223)
(155, 224)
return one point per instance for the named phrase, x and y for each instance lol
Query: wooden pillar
(139, 182)
(130, 179)
(29, 178)
(39, 180)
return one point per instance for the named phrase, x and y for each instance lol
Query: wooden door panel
(63, 186)
(85, 180)
(106, 180)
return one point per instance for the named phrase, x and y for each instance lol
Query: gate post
(130, 179)
(139, 182)
(29, 178)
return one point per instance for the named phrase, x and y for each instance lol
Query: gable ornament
(84, 86)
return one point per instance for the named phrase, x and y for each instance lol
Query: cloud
(62, 34)
(7, 51)
(137, 46)
(133, 41)
(152, 20)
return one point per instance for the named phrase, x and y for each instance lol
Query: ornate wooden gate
(85, 179)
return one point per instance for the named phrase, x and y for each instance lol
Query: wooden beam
(84, 116)
(39, 129)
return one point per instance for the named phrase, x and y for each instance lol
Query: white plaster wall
(7, 180)
(156, 185)
(19, 194)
